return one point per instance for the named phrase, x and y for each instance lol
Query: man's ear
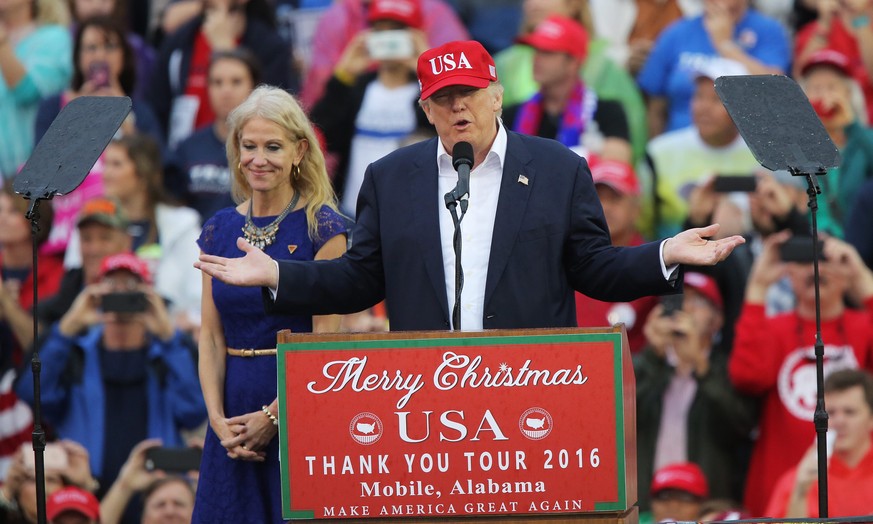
(498, 101)
(425, 106)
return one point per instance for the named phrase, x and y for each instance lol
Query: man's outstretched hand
(256, 268)
(691, 247)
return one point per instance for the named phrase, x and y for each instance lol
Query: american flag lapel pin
(522, 179)
(292, 248)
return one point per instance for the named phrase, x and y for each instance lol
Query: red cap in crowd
(705, 285)
(617, 175)
(407, 12)
(128, 262)
(828, 57)
(683, 476)
(72, 499)
(558, 34)
(461, 63)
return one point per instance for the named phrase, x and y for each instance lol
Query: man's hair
(846, 379)
(161, 482)
(496, 88)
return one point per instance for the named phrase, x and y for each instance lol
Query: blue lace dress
(235, 490)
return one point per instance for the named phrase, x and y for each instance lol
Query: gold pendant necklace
(261, 237)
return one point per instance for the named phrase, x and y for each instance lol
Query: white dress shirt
(477, 229)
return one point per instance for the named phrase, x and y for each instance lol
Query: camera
(732, 183)
(177, 460)
(799, 249)
(124, 302)
(672, 304)
(389, 45)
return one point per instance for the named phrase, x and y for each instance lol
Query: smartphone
(799, 249)
(177, 460)
(98, 74)
(739, 183)
(124, 302)
(671, 304)
(389, 45)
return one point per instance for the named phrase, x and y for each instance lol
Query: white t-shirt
(386, 117)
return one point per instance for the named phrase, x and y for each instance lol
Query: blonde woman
(287, 209)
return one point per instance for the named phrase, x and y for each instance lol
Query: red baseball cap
(407, 12)
(705, 285)
(683, 476)
(460, 63)
(558, 34)
(72, 499)
(617, 175)
(828, 57)
(128, 262)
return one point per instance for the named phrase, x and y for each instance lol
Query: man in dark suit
(533, 233)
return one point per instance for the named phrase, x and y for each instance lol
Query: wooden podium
(505, 426)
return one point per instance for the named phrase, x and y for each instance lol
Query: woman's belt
(250, 352)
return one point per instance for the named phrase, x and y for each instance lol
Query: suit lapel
(511, 206)
(423, 186)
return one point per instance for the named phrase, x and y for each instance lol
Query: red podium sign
(456, 426)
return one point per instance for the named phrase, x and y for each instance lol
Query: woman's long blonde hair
(278, 106)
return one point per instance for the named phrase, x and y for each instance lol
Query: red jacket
(849, 490)
(773, 358)
(51, 270)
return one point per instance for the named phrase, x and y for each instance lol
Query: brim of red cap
(75, 507)
(681, 485)
(542, 43)
(842, 69)
(622, 187)
(456, 80)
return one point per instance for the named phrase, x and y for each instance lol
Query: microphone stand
(57, 165)
(820, 416)
(452, 198)
(38, 435)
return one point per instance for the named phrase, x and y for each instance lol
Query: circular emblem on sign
(535, 423)
(366, 428)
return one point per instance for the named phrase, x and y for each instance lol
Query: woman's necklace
(261, 237)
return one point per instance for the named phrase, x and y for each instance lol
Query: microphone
(462, 161)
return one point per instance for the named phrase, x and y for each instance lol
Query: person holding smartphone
(167, 495)
(687, 409)
(773, 356)
(65, 465)
(369, 106)
(849, 402)
(115, 371)
(678, 160)
(104, 65)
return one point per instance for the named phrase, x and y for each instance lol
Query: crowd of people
(277, 121)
